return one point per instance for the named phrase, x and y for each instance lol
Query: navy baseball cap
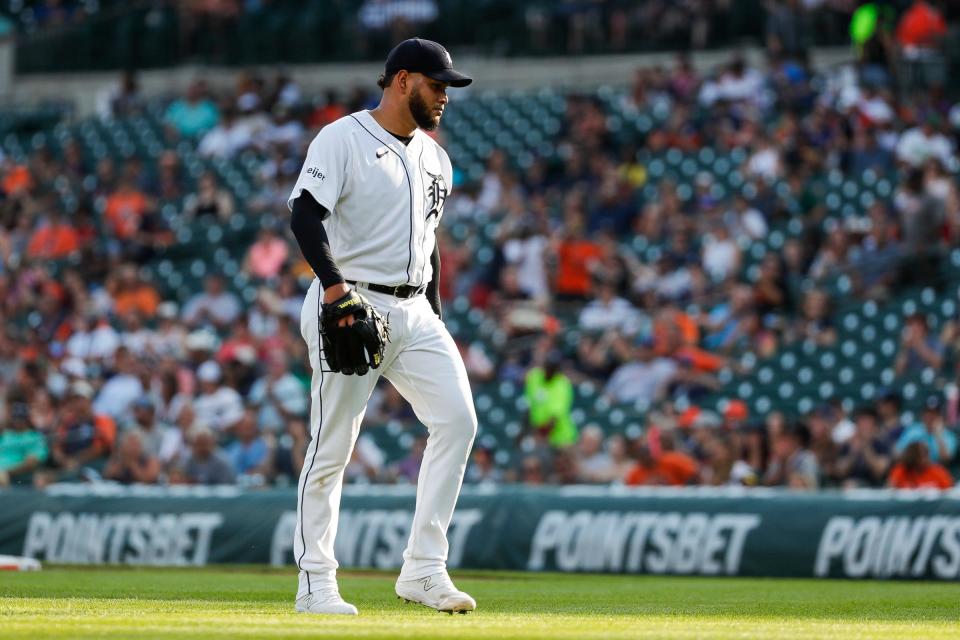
(417, 55)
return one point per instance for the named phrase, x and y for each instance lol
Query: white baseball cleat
(326, 600)
(437, 592)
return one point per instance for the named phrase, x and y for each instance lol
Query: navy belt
(399, 291)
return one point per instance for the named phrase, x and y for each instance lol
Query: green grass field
(257, 603)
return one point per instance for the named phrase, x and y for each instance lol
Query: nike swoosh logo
(382, 153)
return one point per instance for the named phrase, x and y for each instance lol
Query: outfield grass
(252, 602)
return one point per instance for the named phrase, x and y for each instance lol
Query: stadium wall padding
(697, 531)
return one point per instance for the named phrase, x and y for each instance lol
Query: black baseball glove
(355, 348)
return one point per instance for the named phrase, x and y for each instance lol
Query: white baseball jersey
(385, 198)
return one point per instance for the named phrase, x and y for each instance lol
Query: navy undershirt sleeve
(306, 222)
(433, 288)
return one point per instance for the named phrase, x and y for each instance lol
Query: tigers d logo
(436, 194)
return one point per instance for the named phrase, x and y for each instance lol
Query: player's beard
(423, 114)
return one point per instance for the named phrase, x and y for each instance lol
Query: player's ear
(403, 81)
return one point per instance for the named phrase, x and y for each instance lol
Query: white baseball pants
(423, 363)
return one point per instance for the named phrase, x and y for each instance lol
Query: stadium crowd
(218, 31)
(106, 378)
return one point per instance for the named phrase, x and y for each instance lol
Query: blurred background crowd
(645, 292)
(103, 34)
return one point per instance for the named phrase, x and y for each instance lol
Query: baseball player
(364, 211)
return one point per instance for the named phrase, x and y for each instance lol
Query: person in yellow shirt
(549, 395)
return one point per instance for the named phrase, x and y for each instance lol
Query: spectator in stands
(889, 405)
(194, 114)
(665, 467)
(480, 367)
(575, 254)
(366, 461)
(170, 185)
(920, 35)
(864, 459)
(876, 259)
(723, 465)
(131, 294)
(125, 209)
(170, 336)
(791, 462)
(217, 406)
(55, 238)
(532, 471)
(526, 249)
(744, 220)
(267, 255)
(941, 442)
(329, 109)
(408, 469)
(921, 216)
(770, 291)
(832, 256)
(130, 464)
(919, 349)
(823, 437)
(289, 451)
(594, 464)
(915, 470)
(815, 322)
(122, 388)
(83, 436)
(642, 377)
(124, 99)
(867, 154)
(482, 468)
(43, 412)
(249, 454)
(209, 200)
(919, 144)
(608, 310)
(549, 395)
(175, 444)
(279, 395)
(22, 448)
(144, 422)
(721, 255)
(284, 131)
(266, 314)
(206, 464)
(92, 337)
(214, 306)
(228, 138)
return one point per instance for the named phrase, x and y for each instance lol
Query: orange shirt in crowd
(699, 359)
(53, 241)
(573, 272)
(17, 180)
(672, 468)
(143, 299)
(934, 476)
(921, 26)
(124, 211)
(322, 116)
(663, 328)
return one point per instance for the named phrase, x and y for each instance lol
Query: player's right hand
(333, 294)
